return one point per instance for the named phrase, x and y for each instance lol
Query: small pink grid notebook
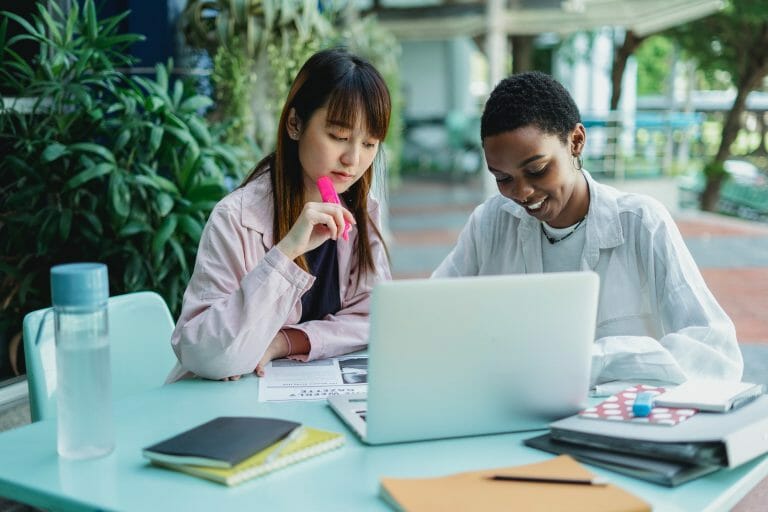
(619, 408)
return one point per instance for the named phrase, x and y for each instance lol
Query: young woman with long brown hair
(275, 276)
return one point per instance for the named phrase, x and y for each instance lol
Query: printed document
(285, 379)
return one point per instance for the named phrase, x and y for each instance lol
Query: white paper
(707, 394)
(285, 379)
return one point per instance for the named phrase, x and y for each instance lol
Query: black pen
(551, 480)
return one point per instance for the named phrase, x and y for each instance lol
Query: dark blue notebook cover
(221, 442)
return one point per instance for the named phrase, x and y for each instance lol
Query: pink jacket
(243, 290)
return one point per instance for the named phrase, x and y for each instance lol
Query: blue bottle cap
(79, 284)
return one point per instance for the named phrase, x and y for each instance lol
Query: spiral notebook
(222, 442)
(311, 442)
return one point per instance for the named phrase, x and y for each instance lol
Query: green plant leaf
(123, 139)
(161, 76)
(195, 103)
(200, 131)
(184, 137)
(95, 149)
(164, 204)
(65, 223)
(109, 24)
(187, 169)
(54, 152)
(96, 114)
(91, 25)
(179, 252)
(191, 227)
(155, 139)
(226, 155)
(135, 274)
(51, 26)
(133, 227)
(175, 120)
(164, 232)
(74, 12)
(154, 103)
(18, 63)
(94, 222)
(206, 191)
(47, 229)
(190, 155)
(83, 96)
(82, 177)
(21, 21)
(178, 93)
(157, 182)
(119, 196)
(115, 107)
(173, 295)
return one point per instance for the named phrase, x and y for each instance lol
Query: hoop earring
(578, 163)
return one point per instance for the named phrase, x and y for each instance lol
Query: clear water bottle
(79, 293)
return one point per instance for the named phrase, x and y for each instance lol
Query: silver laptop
(474, 355)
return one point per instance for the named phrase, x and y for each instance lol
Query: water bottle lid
(79, 284)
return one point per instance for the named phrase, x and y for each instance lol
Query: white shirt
(565, 254)
(656, 320)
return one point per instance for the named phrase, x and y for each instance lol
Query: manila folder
(475, 491)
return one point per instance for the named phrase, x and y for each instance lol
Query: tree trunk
(730, 131)
(711, 194)
(762, 127)
(614, 126)
(620, 58)
(731, 125)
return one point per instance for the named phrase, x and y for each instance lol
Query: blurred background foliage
(259, 46)
(98, 165)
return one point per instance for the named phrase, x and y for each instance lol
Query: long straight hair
(349, 87)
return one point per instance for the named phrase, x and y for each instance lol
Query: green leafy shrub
(99, 166)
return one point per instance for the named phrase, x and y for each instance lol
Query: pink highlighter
(329, 195)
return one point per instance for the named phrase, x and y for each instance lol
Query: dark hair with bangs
(530, 98)
(349, 86)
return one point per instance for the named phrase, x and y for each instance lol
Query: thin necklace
(553, 241)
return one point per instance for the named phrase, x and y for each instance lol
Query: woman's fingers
(330, 215)
(317, 223)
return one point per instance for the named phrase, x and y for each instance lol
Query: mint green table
(347, 479)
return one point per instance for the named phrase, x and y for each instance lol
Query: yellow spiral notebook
(307, 443)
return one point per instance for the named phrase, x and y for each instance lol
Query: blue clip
(643, 404)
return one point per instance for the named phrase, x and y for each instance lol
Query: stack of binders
(668, 456)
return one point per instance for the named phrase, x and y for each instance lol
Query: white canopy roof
(439, 20)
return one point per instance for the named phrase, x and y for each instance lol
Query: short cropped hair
(530, 98)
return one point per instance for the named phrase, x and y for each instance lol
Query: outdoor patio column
(497, 53)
